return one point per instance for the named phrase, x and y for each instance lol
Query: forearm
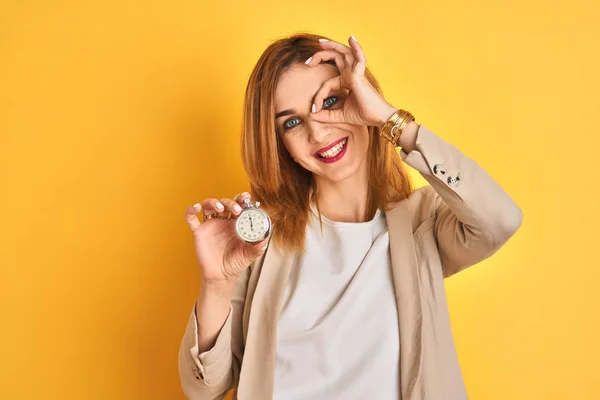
(475, 216)
(212, 309)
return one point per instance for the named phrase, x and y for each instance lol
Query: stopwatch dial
(252, 225)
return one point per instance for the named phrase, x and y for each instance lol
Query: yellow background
(115, 116)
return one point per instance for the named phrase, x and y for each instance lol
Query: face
(333, 152)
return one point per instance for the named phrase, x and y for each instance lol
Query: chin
(343, 172)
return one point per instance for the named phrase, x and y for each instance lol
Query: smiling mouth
(334, 151)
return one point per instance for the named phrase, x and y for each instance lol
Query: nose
(318, 131)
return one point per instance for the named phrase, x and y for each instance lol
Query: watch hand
(251, 227)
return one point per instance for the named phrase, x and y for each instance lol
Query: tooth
(334, 151)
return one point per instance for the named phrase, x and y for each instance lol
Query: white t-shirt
(338, 329)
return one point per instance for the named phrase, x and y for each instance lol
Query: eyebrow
(284, 113)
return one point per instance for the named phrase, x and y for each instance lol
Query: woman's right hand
(221, 254)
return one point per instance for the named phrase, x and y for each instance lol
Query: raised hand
(364, 105)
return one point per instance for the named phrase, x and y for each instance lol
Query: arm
(210, 353)
(474, 216)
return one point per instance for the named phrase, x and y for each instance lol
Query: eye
(326, 103)
(286, 125)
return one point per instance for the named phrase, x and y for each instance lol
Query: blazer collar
(274, 270)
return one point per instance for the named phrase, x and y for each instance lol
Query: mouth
(334, 152)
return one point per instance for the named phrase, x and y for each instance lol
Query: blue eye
(287, 126)
(326, 103)
(329, 98)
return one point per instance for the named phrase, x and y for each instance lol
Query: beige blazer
(460, 219)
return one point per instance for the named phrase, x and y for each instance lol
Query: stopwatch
(253, 224)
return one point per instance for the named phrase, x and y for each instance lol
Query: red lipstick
(324, 149)
(335, 158)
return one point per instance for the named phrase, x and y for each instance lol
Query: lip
(337, 158)
(324, 149)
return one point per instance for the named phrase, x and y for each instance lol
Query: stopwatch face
(253, 225)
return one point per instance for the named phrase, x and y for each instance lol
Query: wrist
(408, 138)
(384, 114)
(217, 288)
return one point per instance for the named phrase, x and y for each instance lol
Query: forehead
(297, 86)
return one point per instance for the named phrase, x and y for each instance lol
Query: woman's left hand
(363, 105)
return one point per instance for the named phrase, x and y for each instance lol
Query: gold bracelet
(395, 125)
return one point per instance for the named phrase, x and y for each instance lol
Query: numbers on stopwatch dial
(253, 225)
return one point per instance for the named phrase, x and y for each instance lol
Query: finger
(211, 206)
(241, 197)
(330, 85)
(191, 216)
(325, 55)
(330, 116)
(361, 59)
(346, 51)
(231, 206)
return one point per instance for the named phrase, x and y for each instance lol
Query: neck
(344, 201)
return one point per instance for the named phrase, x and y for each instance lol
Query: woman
(345, 300)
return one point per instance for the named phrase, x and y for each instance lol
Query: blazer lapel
(261, 340)
(408, 300)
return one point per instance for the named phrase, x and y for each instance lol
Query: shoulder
(422, 205)
(423, 199)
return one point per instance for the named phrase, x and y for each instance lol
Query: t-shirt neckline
(341, 224)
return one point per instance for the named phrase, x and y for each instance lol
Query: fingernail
(220, 206)
(323, 40)
(197, 205)
(307, 61)
(237, 208)
(245, 194)
(353, 38)
(314, 108)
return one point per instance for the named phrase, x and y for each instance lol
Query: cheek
(296, 148)
(361, 140)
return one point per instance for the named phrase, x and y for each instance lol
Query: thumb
(256, 250)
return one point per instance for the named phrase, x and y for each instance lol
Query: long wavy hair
(285, 188)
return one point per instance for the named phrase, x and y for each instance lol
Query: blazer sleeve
(211, 374)
(473, 215)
